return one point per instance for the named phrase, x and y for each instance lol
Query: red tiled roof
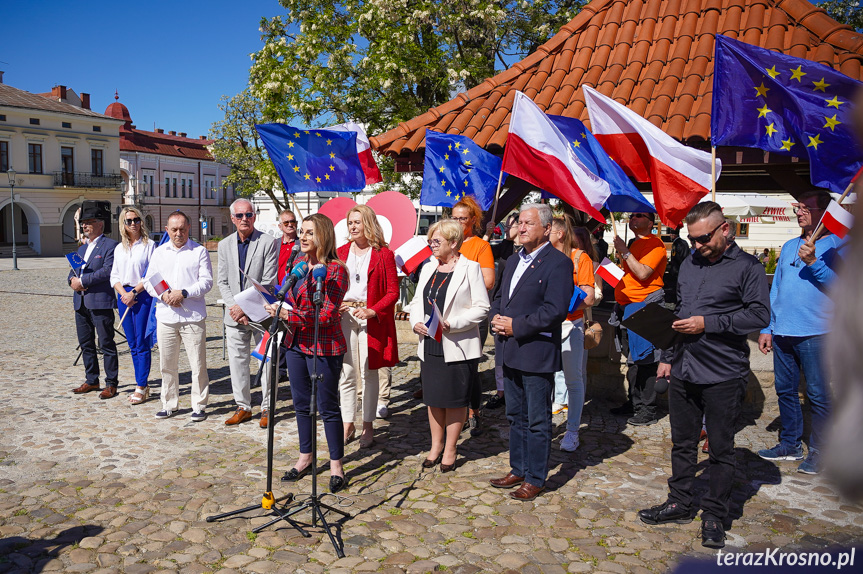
(133, 139)
(654, 56)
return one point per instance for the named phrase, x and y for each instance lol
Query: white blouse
(358, 274)
(130, 266)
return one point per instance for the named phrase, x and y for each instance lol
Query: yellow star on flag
(318, 134)
(761, 90)
(465, 183)
(798, 73)
(821, 85)
(763, 111)
(449, 193)
(290, 156)
(317, 179)
(834, 102)
(465, 151)
(443, 183)
(446, 155)
(297, 134)
(468, 163)
(290, 144)
(584, 135)
(332, 155)
(327, 176)
(457, 145)
(772, 72)
(329, 142)
(441, 169)
(576, 144)
(771, 130)
(813, 142)
(332, 168)
(306, 132)
(456, 197)
(831, 122)
(786, 144)
(296, 168)
(449, 147)
(307, 176)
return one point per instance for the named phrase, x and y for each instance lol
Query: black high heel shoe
(448, 467)
(428, 463)
(337, 483)
(294, 475)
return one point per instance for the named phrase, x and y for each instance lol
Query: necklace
(437, 288)
(360, 262)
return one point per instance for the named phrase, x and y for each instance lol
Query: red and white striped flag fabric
(435, 324)
(611, 273)
(260, 352)
(680, 175)
(364, 150)
(539, 154)
(837, 219)
(411, 253)
(159, 285)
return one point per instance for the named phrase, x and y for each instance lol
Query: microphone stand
(268, 501)
(313, 502)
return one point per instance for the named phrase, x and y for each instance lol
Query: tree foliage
(845, 12)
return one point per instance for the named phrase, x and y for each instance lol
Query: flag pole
(496, 197)
(713, 172)
(124, 316)
(820, 227)
(297, 207)
(419, 213)
(613, 223)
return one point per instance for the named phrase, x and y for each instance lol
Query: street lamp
(11, 173)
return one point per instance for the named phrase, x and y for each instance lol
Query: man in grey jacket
(243, 255)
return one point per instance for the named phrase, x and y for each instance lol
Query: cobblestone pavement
(102, 486)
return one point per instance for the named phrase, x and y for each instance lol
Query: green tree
(845, 11)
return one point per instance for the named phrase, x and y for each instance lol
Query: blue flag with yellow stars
(786, 105)
(313, 160)
(454, 167)
(624, 197)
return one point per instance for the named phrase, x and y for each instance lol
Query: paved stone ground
(102, 486)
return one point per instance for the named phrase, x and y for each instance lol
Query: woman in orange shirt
(569, 384)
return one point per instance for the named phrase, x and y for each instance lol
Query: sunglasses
(644, 215)
(133, 221)
(703, 239)
(247, 215)
(290, 222)
(435, 242)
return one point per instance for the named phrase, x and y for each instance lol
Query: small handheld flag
(75, 262)
(611, 273)
(263, 290)
(159, 285)
(413, 252)
(260, 352)
(837, 220)
(577, 297)
(435, 324)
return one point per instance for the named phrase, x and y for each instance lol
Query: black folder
(653, 322)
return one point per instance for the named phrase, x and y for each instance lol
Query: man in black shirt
(722, 296)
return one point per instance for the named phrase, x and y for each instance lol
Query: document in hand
(653, 322)
(252, 302)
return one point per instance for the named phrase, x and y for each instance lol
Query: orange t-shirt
(649, 251)
(582, 276)
(476, 249)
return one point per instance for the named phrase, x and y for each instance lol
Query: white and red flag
(680, 175)
(260, 352)
(435, 324)
(411, 253)
(611, 273)
(364, 151)
(159, 285)
(837, 220)
(539, 154)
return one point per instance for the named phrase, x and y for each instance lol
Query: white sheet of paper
(252, 303)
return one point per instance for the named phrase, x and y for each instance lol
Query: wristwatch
(626, 255)
(185, 294)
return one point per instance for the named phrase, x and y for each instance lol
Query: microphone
(297, 274)
(319, 272)
(661, 385)
(295, 250)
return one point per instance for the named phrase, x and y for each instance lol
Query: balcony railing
(68, 179)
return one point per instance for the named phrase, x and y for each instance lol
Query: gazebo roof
(654, 56)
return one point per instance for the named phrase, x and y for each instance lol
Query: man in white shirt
(181, 313)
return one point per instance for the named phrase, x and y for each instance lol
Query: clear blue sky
(170, 61)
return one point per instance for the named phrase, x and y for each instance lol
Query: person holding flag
(131, 258)
(801, 314)
(179, 276)
(451, 294)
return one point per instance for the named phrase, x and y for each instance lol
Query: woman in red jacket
(368, 320)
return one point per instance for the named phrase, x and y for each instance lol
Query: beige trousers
(356, 372)
(194, 339)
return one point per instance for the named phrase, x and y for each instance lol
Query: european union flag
(786, 105)
(624, 197)
(454, 167)
(313, 160)
(75, 261)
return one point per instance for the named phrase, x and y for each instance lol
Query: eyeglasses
(247, 215)
(802, 208)
(133, 221)
(461, 219)
(290, 222)
(644, 215)
(435, 242)
(703, 239)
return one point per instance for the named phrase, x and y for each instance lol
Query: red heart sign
(396, 214)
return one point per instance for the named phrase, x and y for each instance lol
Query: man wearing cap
(244, 255)
(95, 302)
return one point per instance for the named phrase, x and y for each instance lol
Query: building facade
(62, 153)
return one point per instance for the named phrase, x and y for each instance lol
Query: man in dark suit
(527, 313)
(95, 302)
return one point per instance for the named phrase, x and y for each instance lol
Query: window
(742, 230)
(183, 187)
(167, 187)
(96, 161)
(67, 162)
(34, 121)
(35, 154)
(4, 156)
(2, 117)
(175, 186)
(97, 128)
(190, 188)
(67, 125)
(151, 188)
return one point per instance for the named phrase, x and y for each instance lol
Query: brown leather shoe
(507, 481)
(85, 388)
(526, 492)
(109, 392)
(265, 419)
(238, 417)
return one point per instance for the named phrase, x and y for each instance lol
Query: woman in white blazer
(455, 286)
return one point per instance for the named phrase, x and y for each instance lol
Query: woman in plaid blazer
(318, 244)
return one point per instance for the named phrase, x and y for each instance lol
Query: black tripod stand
(268, 502)
(314, 501)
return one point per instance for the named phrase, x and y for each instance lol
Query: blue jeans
(791, 355)
(528, 410)
(135, 329)
(569, 384)
(300, 370)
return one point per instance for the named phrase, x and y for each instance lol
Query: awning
(747, 206)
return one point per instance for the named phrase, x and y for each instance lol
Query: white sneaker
(570, 441)
(556, 408)
(383, 412)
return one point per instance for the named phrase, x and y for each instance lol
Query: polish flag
(680, 175)
(159, 285)
(260, 352)
(435, 324)
(364, 150)
(837, 219)
(611, 273)
(539, 154)
(411, 253)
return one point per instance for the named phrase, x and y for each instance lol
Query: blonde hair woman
(131, 259)
(368, 318)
